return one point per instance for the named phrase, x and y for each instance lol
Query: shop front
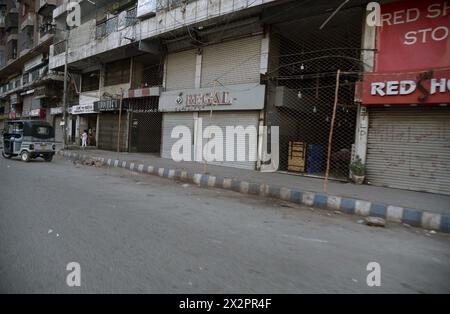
(145, 120)
(229, 116)
(84, 118)
(407, 101)
(112, 125)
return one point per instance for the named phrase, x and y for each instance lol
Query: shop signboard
(83, 109)
(224, 98)
(412, 63)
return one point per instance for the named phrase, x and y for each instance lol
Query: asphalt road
(143, 234)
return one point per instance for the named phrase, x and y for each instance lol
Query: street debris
(375, 222)
(361, 221)
(406, 225)
(337, 212)
(50, 231)
(88, 162)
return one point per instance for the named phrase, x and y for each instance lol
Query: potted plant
(358, 170)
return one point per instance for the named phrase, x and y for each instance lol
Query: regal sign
(223, 98)
(206, 99)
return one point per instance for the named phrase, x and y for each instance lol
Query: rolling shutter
(410, 149)
(170, 121)
(232, 62)
(108, 131)
(224, 119)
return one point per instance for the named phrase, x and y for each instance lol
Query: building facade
(28, 89)
(141, 68)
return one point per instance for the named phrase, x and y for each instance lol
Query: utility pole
(66, 74)
(120, 122)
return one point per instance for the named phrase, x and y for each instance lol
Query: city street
(135, 233)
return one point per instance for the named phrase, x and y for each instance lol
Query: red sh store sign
(413, 55)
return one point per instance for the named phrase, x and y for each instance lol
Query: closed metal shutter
(108, 131)
(170, 121)
(58, 129)
(181, 70)
(233, 62)
(410, 149)
(234, 119)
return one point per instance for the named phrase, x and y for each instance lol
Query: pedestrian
(84, 138)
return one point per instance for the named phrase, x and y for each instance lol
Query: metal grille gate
(301, 82)
(146, 123)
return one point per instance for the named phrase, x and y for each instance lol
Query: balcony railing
(59, 48)
(122, 20)
(46, 7)
(47, 28)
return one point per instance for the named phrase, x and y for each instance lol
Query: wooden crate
(297, 156)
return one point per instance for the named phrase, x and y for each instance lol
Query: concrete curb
(392, 213)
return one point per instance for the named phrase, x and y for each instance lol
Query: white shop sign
(83, 109)
(56, 110)
(224, 98)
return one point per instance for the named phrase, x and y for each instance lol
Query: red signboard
(427, 87)
(412, 63)
(414, 35)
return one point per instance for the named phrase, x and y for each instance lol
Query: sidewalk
(430, 211)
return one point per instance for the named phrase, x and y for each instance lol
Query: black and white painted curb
(392, 213)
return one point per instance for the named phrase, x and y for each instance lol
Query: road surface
(134, 233)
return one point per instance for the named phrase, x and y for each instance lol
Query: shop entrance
(302, 86)
(146, 124)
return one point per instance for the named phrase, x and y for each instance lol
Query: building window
(117, 72)
(90, 81)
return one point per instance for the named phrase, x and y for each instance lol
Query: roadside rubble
(375, 222)
(88, 162)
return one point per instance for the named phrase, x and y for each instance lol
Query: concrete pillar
(362, 123)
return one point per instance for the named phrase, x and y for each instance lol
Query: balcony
(116, 23)
(11, 20)
(59, 48)
(46, 7)
(28, 21)
(46, 31)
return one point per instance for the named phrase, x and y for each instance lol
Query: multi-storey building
(28, 89)
(141, 67)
